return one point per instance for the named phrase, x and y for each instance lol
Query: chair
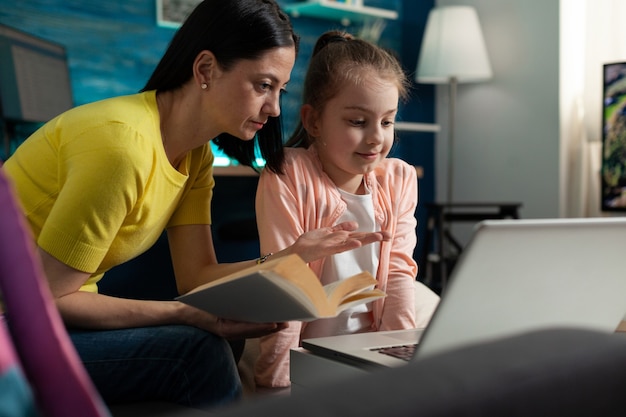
(426, 302)
(42, 349)
(16, 397)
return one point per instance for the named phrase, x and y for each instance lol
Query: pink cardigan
(305, 198)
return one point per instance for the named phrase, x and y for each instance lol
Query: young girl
(338, 171)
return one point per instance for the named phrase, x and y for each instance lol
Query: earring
(204, 86)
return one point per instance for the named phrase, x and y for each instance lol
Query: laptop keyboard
(404, 352)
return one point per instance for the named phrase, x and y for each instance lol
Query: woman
(100, 182)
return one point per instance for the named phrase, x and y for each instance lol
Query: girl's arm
(280, 220)
(399, 305)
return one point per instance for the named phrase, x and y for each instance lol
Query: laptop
(513, 276)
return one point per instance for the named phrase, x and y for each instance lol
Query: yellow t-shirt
(97, 188)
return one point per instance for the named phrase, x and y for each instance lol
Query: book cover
(279, 290)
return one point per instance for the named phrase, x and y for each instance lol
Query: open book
(279, 290)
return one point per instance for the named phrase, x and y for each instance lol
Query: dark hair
(232, 30)
(339, 58)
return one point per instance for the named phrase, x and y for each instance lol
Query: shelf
(334, 10)
(416, 127)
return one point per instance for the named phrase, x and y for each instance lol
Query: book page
(301, 276)
(361, 298)
(282, 289)
(339, 290)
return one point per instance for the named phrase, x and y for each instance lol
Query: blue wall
(113, 46)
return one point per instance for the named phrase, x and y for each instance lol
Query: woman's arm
(195, 263)
(81, 309)
(194, 259)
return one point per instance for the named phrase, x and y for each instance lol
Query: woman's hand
(236, 330)
(326, 241)
(228, 329)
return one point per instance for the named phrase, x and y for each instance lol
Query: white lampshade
(453, 46)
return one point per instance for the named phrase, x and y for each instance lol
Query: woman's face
(249, 93)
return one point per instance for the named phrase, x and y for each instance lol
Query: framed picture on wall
(614, 137)
(172, 13)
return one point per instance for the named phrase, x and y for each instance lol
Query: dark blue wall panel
(418, 148)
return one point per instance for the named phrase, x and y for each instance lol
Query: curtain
(591, 35)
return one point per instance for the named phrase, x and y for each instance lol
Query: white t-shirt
(360, 208)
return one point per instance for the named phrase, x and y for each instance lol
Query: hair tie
(331, 37)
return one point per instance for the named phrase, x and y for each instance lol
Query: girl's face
(249, 93)
(355, 131)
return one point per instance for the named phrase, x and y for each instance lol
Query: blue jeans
(180, 364)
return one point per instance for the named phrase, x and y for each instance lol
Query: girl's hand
(326, 241)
